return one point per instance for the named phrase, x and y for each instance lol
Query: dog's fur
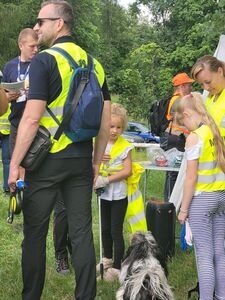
(142, 275)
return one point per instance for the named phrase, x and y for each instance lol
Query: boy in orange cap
(182, 84)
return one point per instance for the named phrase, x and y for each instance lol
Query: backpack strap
(84, 80)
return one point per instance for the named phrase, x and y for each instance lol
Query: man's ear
(20, 45)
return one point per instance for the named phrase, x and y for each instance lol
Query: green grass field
(182, 271)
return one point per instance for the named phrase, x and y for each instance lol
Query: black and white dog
(143, 272)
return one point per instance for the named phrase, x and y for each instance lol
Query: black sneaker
(6, 192)
(62, 265)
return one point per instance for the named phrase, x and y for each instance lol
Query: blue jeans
(5, 160)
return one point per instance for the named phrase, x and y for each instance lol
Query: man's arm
(3, 102)
(26, 132)
(102, 138)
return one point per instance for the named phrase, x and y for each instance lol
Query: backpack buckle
(85, 75)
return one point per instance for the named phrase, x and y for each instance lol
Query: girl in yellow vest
(203, 201)
(115, 170)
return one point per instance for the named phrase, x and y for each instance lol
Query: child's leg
(219, 251)
(118, 212)
(201, 225)
(106, 227)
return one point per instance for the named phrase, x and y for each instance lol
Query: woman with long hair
(210, 73)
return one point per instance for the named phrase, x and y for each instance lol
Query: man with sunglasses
(68, 168)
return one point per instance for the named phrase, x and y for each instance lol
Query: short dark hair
(64, 10)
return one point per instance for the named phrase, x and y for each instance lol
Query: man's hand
(13, 176)
(96, 168)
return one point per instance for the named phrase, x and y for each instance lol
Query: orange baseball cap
(181, 78)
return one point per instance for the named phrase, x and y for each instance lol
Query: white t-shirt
(116, 190)
(194, 153)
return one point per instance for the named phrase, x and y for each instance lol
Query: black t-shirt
(46, 85)
(15, 70)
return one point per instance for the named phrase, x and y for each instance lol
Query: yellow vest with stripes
(56, 106)
(135, 214)
(4, 122)
(217, 108)
(210, 176)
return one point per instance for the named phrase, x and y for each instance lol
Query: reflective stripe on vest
(65, 71)
(210, 176)
(135, 214)
(4, 122)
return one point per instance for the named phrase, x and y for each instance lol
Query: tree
(86, 28)
(186, 27)
(117, 35)
(140, 82)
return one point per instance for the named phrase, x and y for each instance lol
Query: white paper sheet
(12, 86)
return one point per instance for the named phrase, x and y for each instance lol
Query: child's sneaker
(107, 263)
(112, 274)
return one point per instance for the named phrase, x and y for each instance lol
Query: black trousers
(72, 178)
(113, 213)
(170, 181)
(61, 237)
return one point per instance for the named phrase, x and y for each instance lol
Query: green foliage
(86, 19)
(140, 81)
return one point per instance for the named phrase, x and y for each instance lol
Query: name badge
(21, 98)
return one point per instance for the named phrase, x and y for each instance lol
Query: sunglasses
(40, 21)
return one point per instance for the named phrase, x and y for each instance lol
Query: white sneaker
(107, 263)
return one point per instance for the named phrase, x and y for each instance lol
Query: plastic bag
(157, 156)
(174, 157)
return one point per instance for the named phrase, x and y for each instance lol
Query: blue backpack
(84, 104)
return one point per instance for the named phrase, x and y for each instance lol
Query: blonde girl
(203, 201)
(116, 167)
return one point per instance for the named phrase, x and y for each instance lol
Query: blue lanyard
(22, 77)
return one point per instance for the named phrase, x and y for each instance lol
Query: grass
(182, 271)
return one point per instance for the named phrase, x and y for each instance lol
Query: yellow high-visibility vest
(210, 176)
(4, 122)
(135, 214)
(217, 108)
(56, 106)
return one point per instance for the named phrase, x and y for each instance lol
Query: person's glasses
(40, 21)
